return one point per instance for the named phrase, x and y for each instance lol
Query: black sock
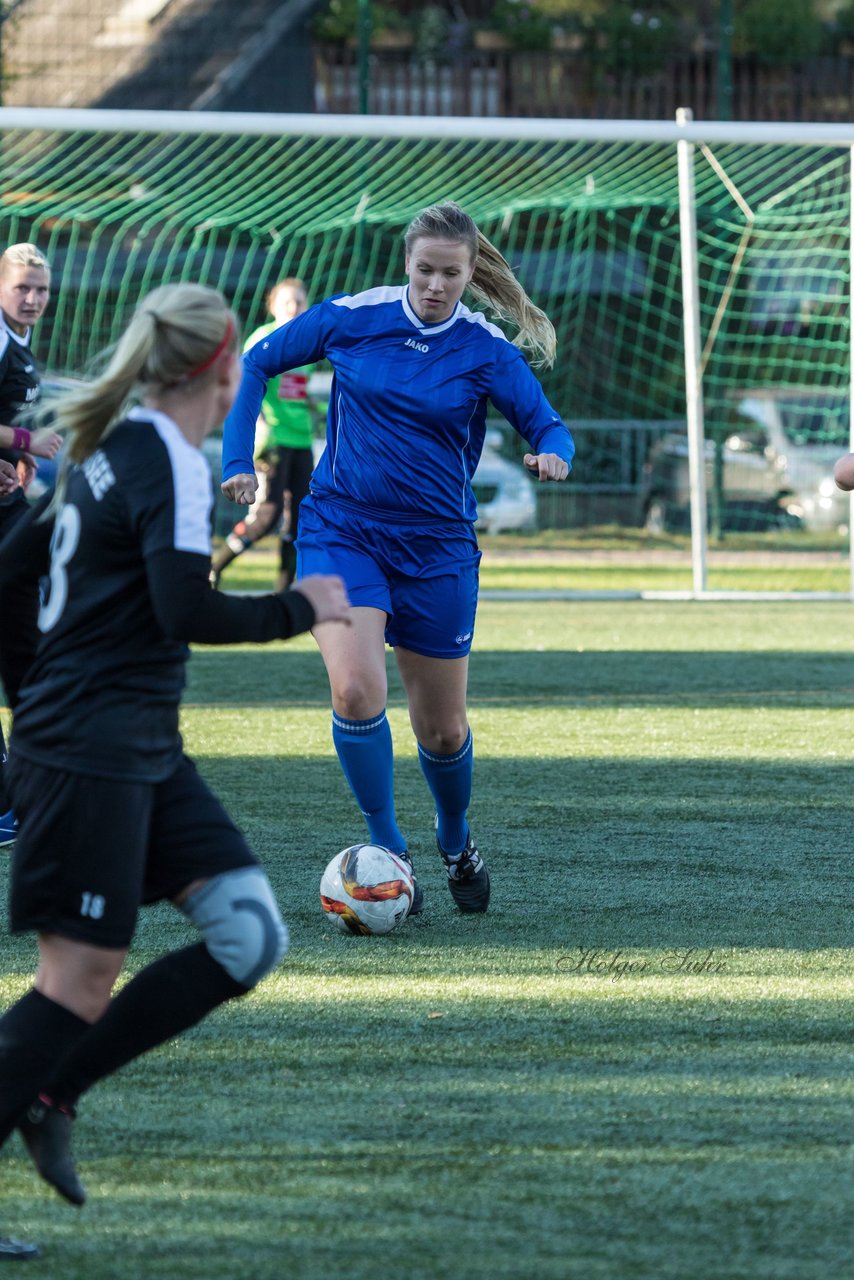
(34, 1035)
(164, 999)
(287, 561)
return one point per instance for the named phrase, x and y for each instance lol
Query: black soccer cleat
(417, 892)
(17, 1250)
(46, 1130)
(468, 878)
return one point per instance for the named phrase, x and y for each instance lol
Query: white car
(506, 495)
(778, 455)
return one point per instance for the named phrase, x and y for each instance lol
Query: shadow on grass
(559, 679)
(605, 853)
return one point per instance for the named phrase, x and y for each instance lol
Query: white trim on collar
(427, 329)
(16, 337)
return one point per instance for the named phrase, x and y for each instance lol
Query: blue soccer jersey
(407, 410)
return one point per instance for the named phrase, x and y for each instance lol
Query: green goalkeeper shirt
(285, 408)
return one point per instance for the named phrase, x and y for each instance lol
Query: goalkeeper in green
(283, 453)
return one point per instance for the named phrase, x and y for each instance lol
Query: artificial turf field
(638, 1064)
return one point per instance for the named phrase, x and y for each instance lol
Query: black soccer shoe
(16, 1250)
(46, 1130)
(468, 878)
(417, 892)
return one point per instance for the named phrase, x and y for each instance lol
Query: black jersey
(20, 388)
(126, 588)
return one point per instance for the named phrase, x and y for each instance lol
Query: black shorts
(90, 851)
(281, 468)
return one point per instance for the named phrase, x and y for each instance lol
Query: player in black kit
(125, 545)
(24, 294)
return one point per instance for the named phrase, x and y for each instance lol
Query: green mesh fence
(592, 229)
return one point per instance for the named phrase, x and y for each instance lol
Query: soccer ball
(366, 889)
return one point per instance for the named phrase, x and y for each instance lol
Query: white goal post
(681, 138)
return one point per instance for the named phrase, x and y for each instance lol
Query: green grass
(636, 1066)
(621, 560)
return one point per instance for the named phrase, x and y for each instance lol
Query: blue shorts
(424, 576)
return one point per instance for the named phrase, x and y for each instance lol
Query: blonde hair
(23, 255)
(289, 282)
(173, 338)
(493, 282)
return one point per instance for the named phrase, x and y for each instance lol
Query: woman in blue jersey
(391, 506)
(112, 813)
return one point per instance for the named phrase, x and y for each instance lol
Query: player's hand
(26, 468)
(327, 596)
(546, 466)
(843, 472)
(241, 488)
(8, 477)
(45, 443)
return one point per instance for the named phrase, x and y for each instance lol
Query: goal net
(591, 216)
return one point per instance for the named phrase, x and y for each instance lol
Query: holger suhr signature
(600, 962)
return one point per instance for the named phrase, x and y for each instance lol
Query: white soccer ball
(366, 889)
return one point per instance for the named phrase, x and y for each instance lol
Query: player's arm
(238, 434)
(42, 443)
(243, 487)
(189, 610)
(24, 559)
(517, 394)
(300, 341)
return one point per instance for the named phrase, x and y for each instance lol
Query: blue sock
(449, 779)
(365, 750)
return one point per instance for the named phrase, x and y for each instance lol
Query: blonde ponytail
(493, 283)
(173, 339)
(87, 414)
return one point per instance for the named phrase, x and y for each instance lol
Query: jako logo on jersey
(462, 639)
(417, 346)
